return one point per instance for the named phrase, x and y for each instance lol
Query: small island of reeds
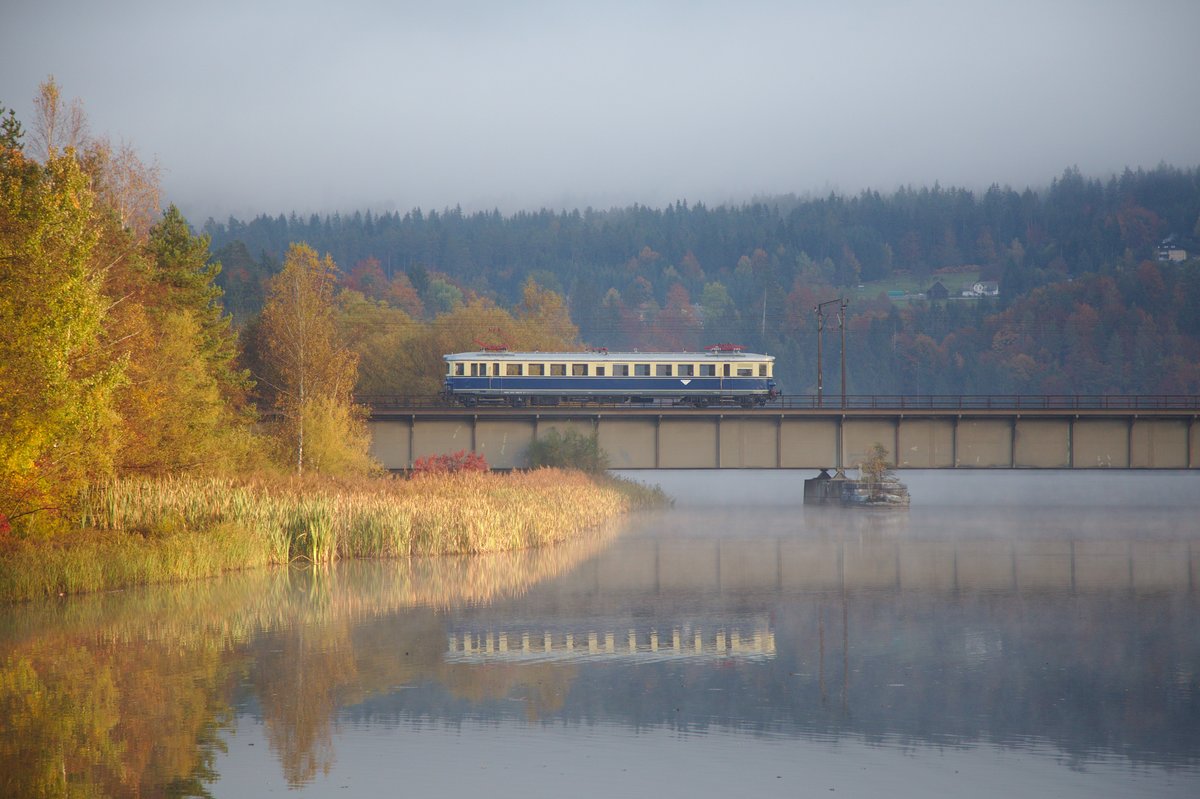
(134, 531)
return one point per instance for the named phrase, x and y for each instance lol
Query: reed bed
(141, 530)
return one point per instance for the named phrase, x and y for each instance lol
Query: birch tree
(309, 371)
(57, 125)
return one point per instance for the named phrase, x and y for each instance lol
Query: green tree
(444, 297)
(188, 278)
(719, 314)
(11, 132)
(570, 450)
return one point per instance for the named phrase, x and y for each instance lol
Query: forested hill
(687, 275)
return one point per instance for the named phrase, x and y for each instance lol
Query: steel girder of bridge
(814, 438)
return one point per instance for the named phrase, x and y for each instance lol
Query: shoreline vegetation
(139, 530)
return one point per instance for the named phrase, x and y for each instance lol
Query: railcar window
(475, 371)
(537, 369)
(495, 370)
(708, 370)
(687, 370)
(662, 370)
(762, 370)
(512, 369)
(620, 370)
(558, 369)
(727, 370)
(579, 369)
(599, 371)
(460, 369)
(745, 371)
(641, 369)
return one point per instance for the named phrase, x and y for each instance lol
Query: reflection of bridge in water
(749, 638)
(735, 565)
(693, 581)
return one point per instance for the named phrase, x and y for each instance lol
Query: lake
(1028, 633)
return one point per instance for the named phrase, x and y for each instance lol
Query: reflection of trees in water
(301, 679)
(128, 693)
(84, 717)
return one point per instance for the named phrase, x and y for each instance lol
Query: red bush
(461, 461)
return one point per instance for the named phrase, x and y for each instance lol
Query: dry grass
(139, 531)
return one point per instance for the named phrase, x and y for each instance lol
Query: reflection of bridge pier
(735, 565)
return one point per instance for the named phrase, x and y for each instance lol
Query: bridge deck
(796, 433)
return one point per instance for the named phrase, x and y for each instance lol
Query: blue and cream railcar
(719, 376)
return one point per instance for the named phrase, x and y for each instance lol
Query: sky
(314, 107)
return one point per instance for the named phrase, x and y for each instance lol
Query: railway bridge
(802, 432)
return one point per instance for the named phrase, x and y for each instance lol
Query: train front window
(579, 369)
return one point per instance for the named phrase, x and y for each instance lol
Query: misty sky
(271, 107)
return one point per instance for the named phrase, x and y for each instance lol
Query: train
(720, 375)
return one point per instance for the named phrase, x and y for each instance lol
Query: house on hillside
(1170, 250)
(938, 292)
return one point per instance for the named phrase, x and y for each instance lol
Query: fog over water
(937, 488)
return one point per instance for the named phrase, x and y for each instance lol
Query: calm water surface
(1019, 634)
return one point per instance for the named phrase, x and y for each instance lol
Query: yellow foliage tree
(398, 355)
(56, 381)
(381, 337)
(309, 370)
(544, 324)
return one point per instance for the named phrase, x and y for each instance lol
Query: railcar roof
(618, 357)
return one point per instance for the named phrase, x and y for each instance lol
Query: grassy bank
(143, 531)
